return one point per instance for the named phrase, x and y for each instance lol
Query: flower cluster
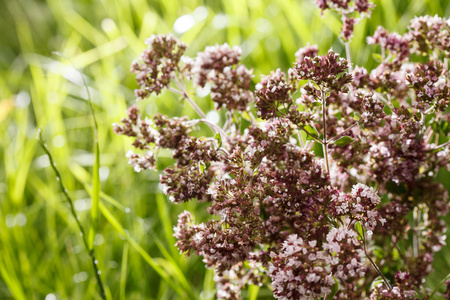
(402, 290)
(155, 66)
(272, 91)
(360, 205)
(330, 163)
(300, 270)
(230, 81)
(351, 11)
(430, 34)
(307, 51)
(346, 6)
(394, 43)
(431, 86)
(326, 71)
(305, 270)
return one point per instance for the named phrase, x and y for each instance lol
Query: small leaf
(218, 137)
(202, 166)
(446, 128)
(344, 141)
(376, 282)
(387, 110)
(317, 103)
(379, 252)
(246, 116)
(334, 290)
(377, 57)
(359, 230)
(356, 116)
(312, 131)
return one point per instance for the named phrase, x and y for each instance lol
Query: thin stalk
(228, 121)
(213, 127)
(439, 146)
(429, 110)
(74, 214)
(439, 285)
(349, 58)
(302, 145)
(325, 142)
(95, 212)
(374, 265)
(342, 133)
(415, 237)
(186, 96)
(312, 136)
(174, 90)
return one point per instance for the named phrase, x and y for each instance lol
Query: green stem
(74, 214)
(439, 285)
(342, 133)
(325, 142)
(186, 96)
(374, 265)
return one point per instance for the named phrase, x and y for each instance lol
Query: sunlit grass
(41, 252)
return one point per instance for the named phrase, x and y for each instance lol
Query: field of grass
(44, 46)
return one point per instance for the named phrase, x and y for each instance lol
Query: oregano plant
(358, 217)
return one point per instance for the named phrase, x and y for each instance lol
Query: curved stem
(439, 285)
(213, 127)
(74, 214)
(374, 265)
(186, 96)
(325, 142)
(439, 146)
(312, 136)
(342, 133)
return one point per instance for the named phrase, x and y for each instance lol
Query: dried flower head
(328, 71)
(429, 34)
(230, 81)
(155, 66)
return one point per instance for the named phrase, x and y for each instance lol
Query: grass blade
(96, 188)
(123, 271)
(180, 288)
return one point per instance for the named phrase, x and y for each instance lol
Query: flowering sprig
(303, 222)
(155, 66)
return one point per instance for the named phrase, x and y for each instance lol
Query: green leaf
(312, 131)
(334, 290)
(317, 103)
(344, 141)
(359, 230)
(445, 127)
(96, 189)
(218, 137)
(356, 116)
(246, 116)
(387, 110)
(253, 291)
(202, 166)
(377, 57)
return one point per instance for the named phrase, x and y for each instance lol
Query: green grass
(129, 221)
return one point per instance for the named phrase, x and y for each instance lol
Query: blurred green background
(41, 253)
